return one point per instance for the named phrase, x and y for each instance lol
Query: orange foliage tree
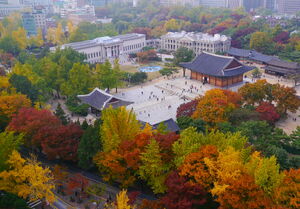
(288, 193)
(215, 105)
(243, 193)
(122, 163)
(10, 104)
(195, 168)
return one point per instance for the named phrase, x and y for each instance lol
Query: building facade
(251, 5)
(198, 42)
(288, 6)
(270, 4)
(213, 3)
(33, 21)
(109, 48)
(221, 71)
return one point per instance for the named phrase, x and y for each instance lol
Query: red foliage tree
(165, 142)
(132, 196)
(141, 30)
(182, 194)
(282, 37)
(187, 109)
(267, 112)
(147, 56)
(217, 29)
(30, 121)
(61, 142)
(77, 183)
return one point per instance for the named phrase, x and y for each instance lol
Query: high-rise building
(32, 21)
(288, 6)
(99, 3)
(233, 4)
(251, 5)
(29, 23)
(213, 3)
(3, 1)
(179, 2)
(270, 4)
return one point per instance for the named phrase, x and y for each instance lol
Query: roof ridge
(217, 55)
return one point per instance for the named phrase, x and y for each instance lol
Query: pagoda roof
(170, 124)
(216, 65)
(100, 99)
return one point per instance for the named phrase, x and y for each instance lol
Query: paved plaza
(159, 101)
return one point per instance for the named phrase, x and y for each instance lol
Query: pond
(150, 69)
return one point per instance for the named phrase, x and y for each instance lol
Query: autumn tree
(122, 164)
(182, 194)
(31, 121)
(122, 202)
(8, 142)
(10, 104)
(77, 183)
(27, 179)
(260, 41)
(187, 109)
(287, 195)
(285, 99)
(215, 106)
(243, 193)
(20, 36)
(152, 168)
(118, 125)
(255, 93)
(61, 142)
(195, 169)
(267, 112)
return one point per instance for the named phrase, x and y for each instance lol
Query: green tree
(183, 54)
(152, 168)
(24, 86)
(89, 145)
(80, 80)
(261, 41)
(59, 112)
(10, 45)
(8, 142)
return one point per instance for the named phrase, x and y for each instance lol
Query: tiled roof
(170, 123)
(215, 65)
(250, 54)
(284, 64)
(100, 99)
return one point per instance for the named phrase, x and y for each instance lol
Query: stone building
(198, 42)
(217, 70)
(109, 48)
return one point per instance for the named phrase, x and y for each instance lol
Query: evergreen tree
(59, 112)
(89, 145)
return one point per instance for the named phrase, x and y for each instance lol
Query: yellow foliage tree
(265, 172)
(118, 125)
(121, 202)
(11, 103)
(20, 36)
(4, 83)
(26, 70)
(27, 179)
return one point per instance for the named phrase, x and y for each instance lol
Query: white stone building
(197, 42)
(109, 48)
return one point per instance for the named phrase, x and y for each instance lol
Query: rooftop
(100, 99)
(191, 36)
(216, 65)
(250, 54)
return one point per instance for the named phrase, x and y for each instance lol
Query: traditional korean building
(99, 100)
(216, 70)
(282, 68)
(251, 55)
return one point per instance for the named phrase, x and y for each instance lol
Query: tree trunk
(184, 72)
(116, 89)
